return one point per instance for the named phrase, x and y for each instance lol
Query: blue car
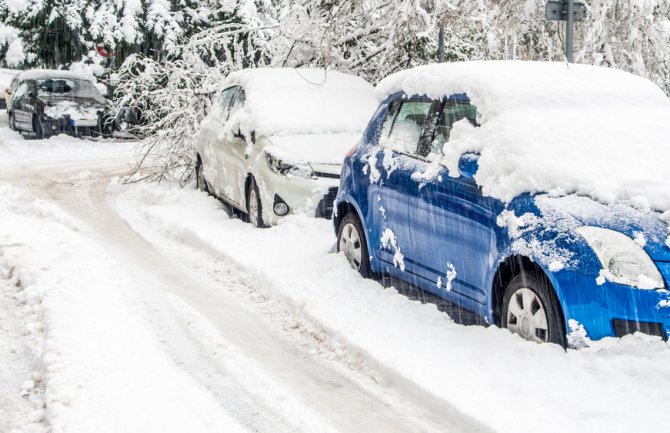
(550, 264)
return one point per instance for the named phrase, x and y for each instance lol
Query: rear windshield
(68, 88)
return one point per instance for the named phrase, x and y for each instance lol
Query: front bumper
(613, 310)
(65, 125)
(312, 197)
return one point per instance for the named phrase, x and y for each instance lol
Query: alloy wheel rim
(527, 316)
(350, 244)
(253, 208)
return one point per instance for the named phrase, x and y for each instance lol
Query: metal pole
(569, 29)
(440, 46)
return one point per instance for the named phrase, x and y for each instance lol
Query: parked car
(49, 102)
(529, 193)
(274, 141)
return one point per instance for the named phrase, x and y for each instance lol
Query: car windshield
(68, 88)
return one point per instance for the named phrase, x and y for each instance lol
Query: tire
(530, 308)
(254, 205)
(351, 241)
(12, 122)
(200, 181)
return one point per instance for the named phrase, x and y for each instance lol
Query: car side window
(452, 112)
(406, 127)
(238, 101)
(223, 103)
(390, 118)
(20, 91)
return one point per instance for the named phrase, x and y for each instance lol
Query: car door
(452, 222)
(393, 190)
(212, 137)
(18, 106)
(233, 152)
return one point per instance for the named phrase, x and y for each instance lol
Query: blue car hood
(620, 217)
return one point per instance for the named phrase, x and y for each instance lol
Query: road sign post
(568, 11)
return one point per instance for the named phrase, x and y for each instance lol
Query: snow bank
(550, 127)
(486, 374)
(302, 101)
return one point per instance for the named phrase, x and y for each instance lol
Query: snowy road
(146, 308)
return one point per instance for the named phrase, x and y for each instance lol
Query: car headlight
(292, 168)
(623, 260)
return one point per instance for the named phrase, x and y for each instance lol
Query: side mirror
(468, 164)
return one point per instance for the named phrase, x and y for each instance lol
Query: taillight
(352, 150)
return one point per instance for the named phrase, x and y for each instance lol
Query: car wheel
(254, 205)
(351, 242)
(12, 122)
(200, 181)
(530, 309)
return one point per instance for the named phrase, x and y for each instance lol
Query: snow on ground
(21, 402)
(92, 333)
(485, 373)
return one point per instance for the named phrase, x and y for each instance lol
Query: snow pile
(557, 128)
(21, 338)
(302, 101)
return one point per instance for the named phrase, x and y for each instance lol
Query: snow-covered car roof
(557, 128)
(39, 74)
(281, 101)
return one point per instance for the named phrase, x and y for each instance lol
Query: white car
(275, 138)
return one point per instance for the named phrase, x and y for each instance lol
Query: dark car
(47, 103)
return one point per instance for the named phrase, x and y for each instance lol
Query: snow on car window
(308, 101)
(406, 128)
(452, 112)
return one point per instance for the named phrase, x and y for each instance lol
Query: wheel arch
(512, 266)
(345, 206)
